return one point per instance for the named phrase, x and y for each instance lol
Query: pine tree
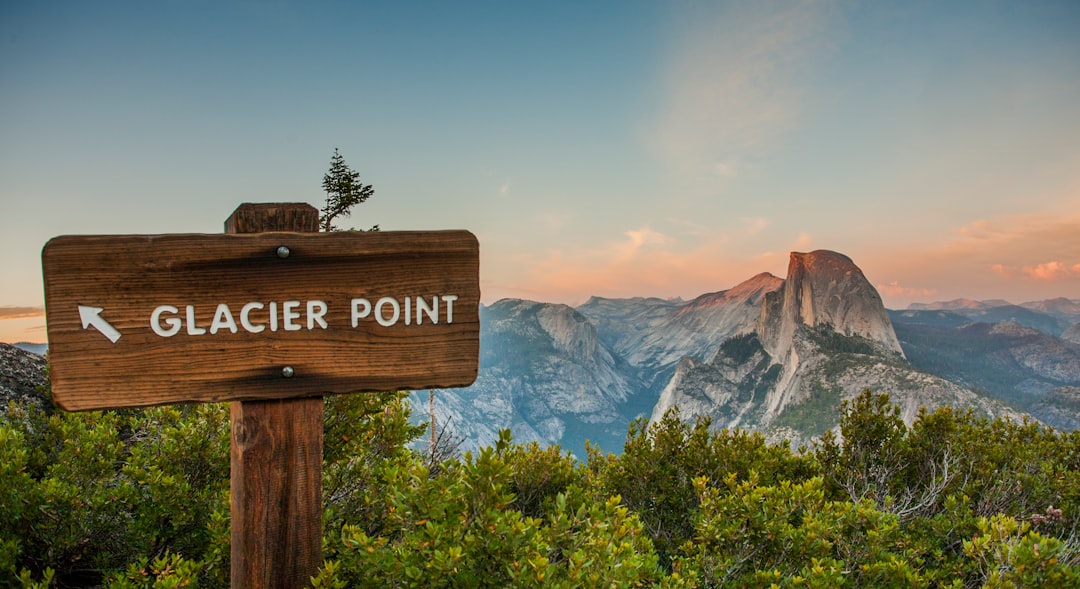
(344, 190)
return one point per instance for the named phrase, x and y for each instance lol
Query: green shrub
(789, 534)
(88, 493)
(140, 498)
(462, 528)
(654, 475)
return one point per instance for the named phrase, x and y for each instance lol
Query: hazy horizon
(30, 320)
(608, 149)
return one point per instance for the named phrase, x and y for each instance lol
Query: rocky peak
(953, 305)
(570, 332)
(824, 288)
(749, 292)
(1060, 306)
(21, 373)
(1014, 329)
(1072, 334)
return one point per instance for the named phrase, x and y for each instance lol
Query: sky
(610, 148)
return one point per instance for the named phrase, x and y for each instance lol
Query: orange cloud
(1015, 236)
(1003, 270)
(1020, 258)
(1051, 271)
(1020, 241)
(1015, 257)
(642, 262)
(894, 289)
(21, 312)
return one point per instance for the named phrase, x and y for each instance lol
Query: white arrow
(91, 317)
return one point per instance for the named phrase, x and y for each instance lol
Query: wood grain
(276, 460)
(276, 487)
(129, 276)
(260, 217)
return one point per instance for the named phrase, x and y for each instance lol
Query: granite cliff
(771, 354)
(822, 338)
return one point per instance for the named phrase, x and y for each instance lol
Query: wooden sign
(137, 320)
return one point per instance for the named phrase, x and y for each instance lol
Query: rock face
(770, 354)
(1072, 334)
(1049, 358)
(731, 388)
(545, 374)
(21, 375)
(1059, 408)
(824, 288)
(654, 335)
(1061, 307)
(1008, 360)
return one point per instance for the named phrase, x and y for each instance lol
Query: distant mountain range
(38, 349)
(771, 354)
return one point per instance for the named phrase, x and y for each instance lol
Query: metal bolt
(287, 372)
(282, 252)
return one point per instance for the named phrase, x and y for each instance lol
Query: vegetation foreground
(140, 498)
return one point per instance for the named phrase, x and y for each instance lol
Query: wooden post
(431, 414)
(276, 457)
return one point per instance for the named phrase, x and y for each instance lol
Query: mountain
(653, 335)
(1072, 334)
(823, 338)
(1065, 309)
(1007, 360)
(1059, 408)
(824, 291)
(22, 374)
(957, 305)
(38, 349)
(770, 354)
(545, 374)
(556, 374)
(825, 288)
(1052, 316)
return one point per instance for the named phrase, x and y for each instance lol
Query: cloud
(1051, 271)
(1015, 236)
(1016, 248)
(1003, 270)
(691, 228)
(553, 222)
(803, 243)
(1046, 271)
(894, 289)
(638, 262)
(1013, 257)
(734, 80)
(753, 225)
(639, 238)
(21, 312)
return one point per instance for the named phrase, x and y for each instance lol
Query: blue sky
(608, 148)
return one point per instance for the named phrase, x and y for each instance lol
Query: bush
(655, 473)
(789, 534)
(139, 498)
(89, 493)
(461, 529)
